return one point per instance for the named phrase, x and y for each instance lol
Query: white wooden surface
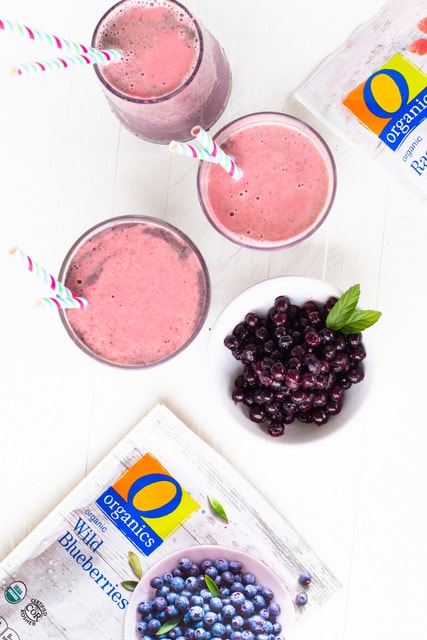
(357, 495)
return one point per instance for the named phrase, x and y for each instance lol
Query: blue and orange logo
(392, 102)
(147, 504)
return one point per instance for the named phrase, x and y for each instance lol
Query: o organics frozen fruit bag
(373, 90)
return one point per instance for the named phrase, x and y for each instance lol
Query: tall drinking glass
(173, 74)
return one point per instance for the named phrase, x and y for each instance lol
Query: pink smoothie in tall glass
(147, 288)
(173, 73)
(287, 185)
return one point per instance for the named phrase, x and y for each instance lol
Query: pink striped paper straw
(221, 158)
(190, 150)
(42, 37)
(62, 303)
(54, 64)
(60, 289)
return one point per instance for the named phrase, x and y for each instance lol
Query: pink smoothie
(172, 75)
(287, 184)
(147, 288)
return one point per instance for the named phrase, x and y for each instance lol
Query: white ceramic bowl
(263, 574)
(223, 368)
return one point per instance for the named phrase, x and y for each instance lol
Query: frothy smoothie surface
(286, 187)
(147, 289)
(160, 45)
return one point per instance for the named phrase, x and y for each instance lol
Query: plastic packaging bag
(373, 90)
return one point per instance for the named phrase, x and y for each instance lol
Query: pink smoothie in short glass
(147, 288)
(287, 185)
(173, 74)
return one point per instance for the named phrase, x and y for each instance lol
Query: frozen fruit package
(372, 91)
(76, 574)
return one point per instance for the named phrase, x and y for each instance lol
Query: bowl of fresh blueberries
(206, 592)
(276, 367)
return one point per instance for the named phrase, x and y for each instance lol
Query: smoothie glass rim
(168, 96)
(108, 223)
(204, 167)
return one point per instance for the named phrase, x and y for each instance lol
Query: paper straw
(43, 37)
(60, 289)
(62, 303)
(225, 161)
(54, 64)
(189, 150)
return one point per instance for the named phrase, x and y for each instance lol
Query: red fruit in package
(419, 46)
(422, 25)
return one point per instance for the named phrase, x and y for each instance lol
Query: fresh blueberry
(301, 598)
(248, 578)
(227, 577)
(196, 613)
(247, 609)
(141, 627)
(274, 609)
(237, 598)
(160, 603)
(215, 604)
(221, 564)
(177, 584)
(210, 618)
(256, 624)
(304, 578)
(156, 582)
(172, 611)
(182, 603)
(185, 564)
(259, 601)
(212, 572)
(153, 626)
(191, 583)
(228, 611)
(145, 606)
(250, 591)
(218, 630)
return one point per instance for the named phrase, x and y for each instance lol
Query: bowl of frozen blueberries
(205, 592)
(278, 368)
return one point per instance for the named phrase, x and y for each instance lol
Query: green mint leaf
(167, 626)
(212, 586)
(135, 564)
(360, 320)
(218, 508)
(129, 585)
(340, 313)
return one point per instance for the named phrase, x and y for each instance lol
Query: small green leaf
(129, 585)
(135, 564)
(218, 508)
(360, 320)
(340, 313)
(212, 586)
(167, 626)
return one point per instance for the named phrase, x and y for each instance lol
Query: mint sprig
(346, 318)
